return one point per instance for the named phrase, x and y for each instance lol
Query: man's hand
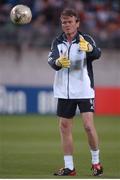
(84, 45)
(63, 62)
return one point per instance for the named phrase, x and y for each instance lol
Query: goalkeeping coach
(72, 54)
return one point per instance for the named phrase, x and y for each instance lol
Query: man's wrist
(90, 48)
(57, 62)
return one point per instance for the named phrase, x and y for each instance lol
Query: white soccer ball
(21, 14)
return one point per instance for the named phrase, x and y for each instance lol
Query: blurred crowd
(99, 18)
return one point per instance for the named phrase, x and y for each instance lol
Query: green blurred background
(30, 147)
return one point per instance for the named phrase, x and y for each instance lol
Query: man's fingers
(63, 62)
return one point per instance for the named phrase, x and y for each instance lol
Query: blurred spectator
(100, 18)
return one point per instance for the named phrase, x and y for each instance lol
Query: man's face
(69, 24)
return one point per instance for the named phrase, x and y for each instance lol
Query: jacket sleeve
(53, 55)
(96, 53)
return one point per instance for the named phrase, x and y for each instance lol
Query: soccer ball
(21, 14)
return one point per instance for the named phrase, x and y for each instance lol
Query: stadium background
(26, 88)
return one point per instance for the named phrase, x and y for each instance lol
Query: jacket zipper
(68, 69)
(68, 72)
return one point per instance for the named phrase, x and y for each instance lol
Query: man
(71, 56)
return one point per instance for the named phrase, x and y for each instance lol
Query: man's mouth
(67, 29)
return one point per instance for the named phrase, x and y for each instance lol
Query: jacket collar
(62, 37)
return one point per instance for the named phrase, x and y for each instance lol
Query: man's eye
(68, 22)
